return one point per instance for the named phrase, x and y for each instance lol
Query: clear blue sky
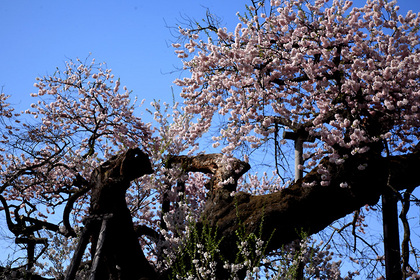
(36, 36)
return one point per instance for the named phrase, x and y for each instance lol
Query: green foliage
(198, 255)
(251, 247)
(293, 265)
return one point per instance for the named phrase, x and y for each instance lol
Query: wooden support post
(299, 137)
(391, 235)
(298, 158)
(99, 246)
(78, 253)
(30, 242)
(84, 240)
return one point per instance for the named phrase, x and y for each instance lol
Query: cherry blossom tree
(346, 77)
(320, 69)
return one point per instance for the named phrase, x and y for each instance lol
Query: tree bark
(298, 208)
(283, 215)
(122, 257)
(313, 208)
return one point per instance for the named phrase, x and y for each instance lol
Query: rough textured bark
(310, 209)
(313, 208)
(122, 257)
(213, 164)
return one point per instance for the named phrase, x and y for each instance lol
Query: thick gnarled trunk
(121, 256)
(307, 208)
(116, 252)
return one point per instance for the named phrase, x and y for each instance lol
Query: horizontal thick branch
(298, 208)
(305, 206)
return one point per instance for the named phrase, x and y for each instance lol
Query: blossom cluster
(348, 76)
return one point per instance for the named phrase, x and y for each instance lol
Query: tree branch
(222, 168)
(84, 188)
(309, 208)
(304, 206)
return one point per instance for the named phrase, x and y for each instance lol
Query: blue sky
(131, 36)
